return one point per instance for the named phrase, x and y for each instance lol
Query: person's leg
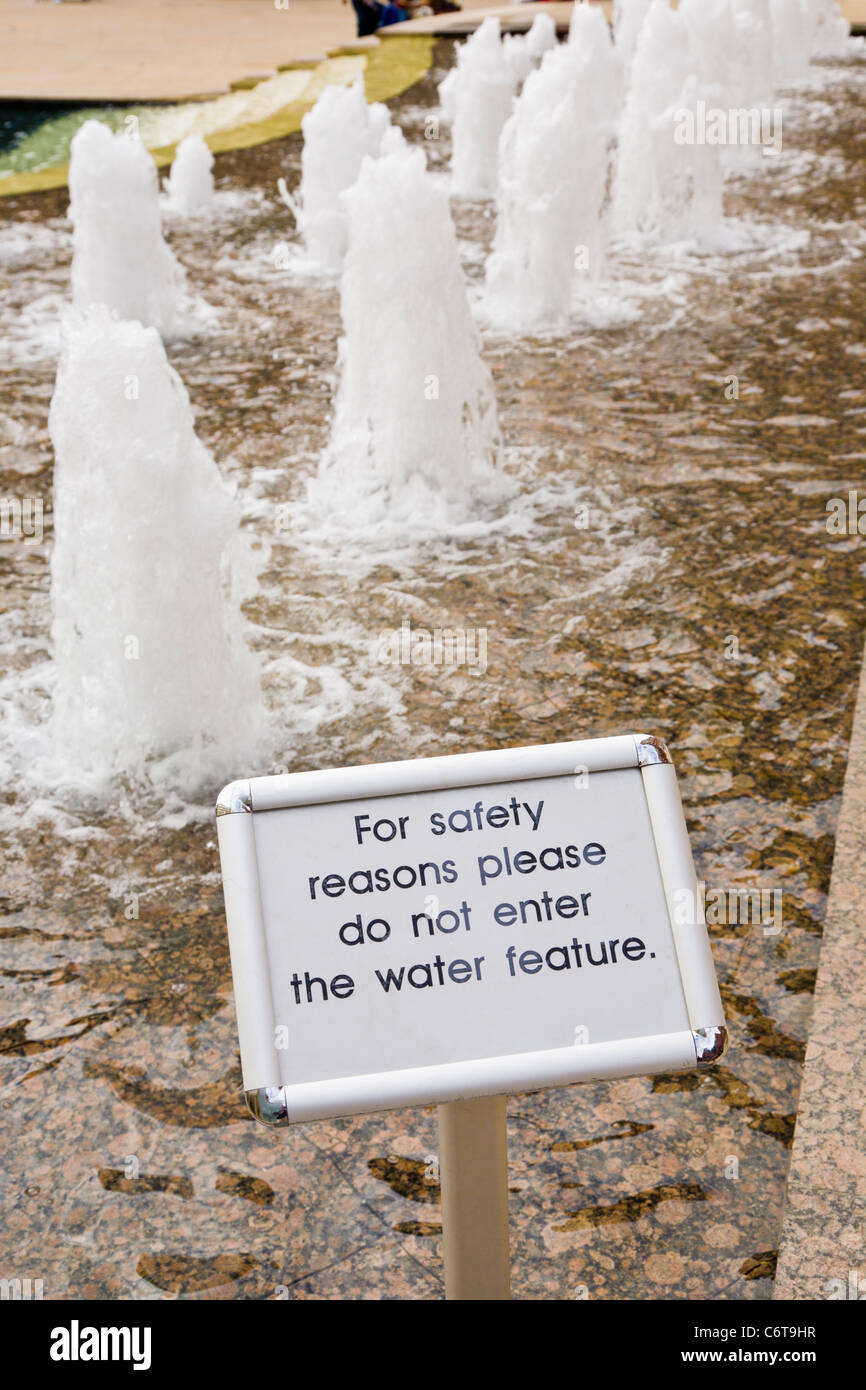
(368, 16)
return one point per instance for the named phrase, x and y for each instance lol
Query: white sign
(410, 933)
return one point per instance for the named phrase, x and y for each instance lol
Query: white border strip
(528, 1071)
(674, 853)
(251, 971)
(434, 774)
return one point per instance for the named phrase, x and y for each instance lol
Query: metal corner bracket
(710, 1044)
(268, 1105)
(237, 796)
(651, 751)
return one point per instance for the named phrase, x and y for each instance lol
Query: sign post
(473, 1172)
(452, 930)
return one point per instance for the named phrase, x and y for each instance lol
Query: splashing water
(828, 30)
(554, 162)
(803, 30)
(732, 50)
(753, 26)
(147, 575)
(522, 51)
(731, 47)
(120, 258)
(790, 41)
(628, 17)
(541, 36)
(665, 188)
(478, 101)
(339, 133)
(415, 438)
(190, 186)
(592, 42)
(518, 60)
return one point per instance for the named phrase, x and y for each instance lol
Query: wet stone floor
(128, 1165)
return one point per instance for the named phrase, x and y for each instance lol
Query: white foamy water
(718, 63)
(753, 26)
(732, 49)
(790, 41)
(554, 159)
(478, 101)
(628, 16)
(664, 188)
(415, 436)
(190, 185)
(804, 30)
(828, 30)
(120, 257)
(541, 36)
(148, 572)
(523, 51)
(339, 133)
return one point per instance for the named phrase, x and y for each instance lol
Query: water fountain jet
(478, 100)
(828, 32)
(339, 132)
(664, 188)
(522, 52)
(148, 572)
(628, 17)
(415, 439)
(190, 185)
(554, 161)
(120, 258)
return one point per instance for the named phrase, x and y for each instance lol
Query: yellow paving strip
(388, 70)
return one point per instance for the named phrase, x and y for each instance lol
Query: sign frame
(274, 1103)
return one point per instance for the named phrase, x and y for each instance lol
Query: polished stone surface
(824, 1235)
